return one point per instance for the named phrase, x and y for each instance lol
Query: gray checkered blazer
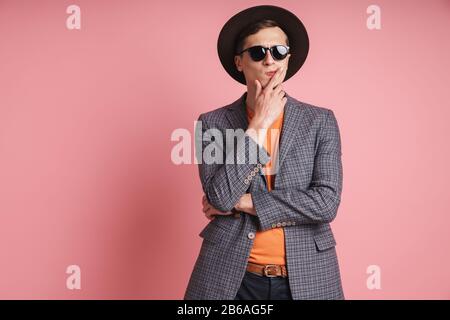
(304, 201)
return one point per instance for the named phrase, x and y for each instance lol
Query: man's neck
(248, 104)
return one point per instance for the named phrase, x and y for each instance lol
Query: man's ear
(237, 62)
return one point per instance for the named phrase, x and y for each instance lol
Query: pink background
(86, 117)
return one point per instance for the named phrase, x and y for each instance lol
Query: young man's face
(256, 70)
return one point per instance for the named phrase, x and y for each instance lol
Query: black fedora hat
(289, 22)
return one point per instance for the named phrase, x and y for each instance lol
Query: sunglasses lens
(280, 52)
(257, 53)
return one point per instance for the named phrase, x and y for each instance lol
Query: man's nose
(268, 58)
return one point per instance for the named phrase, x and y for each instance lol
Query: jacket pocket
(213, 232)
(324, 240)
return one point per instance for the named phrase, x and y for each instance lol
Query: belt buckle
(266, 268)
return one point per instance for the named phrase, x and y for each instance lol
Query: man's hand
(245, 204)
(210, 211)
(267, 102)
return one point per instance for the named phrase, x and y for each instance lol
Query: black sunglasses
(258, 53)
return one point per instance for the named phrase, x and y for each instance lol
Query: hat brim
(289, 22)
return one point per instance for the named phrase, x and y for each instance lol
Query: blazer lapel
(289, 130)
(237, 115)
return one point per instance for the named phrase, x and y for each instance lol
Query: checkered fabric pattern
(304, 201)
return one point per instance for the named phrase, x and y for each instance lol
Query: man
(269, 236)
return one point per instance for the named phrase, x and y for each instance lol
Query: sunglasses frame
(265, 52)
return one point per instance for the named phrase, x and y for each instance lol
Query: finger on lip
(277, 71)
(281, 70)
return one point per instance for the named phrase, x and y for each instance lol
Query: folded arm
(224, 183)
(316, 204)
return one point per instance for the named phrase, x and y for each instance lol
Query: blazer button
(252, 174)
(284, 224)
(293, 223)
(288, 223)
(246, 181)
(274, 225)
(259, 165)
(251, 235)
(279, 224)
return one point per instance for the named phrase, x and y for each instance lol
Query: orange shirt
(269, 246)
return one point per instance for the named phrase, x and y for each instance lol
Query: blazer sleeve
(319, 202)
(224, 181)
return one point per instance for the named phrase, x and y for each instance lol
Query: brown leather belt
(268, 270)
